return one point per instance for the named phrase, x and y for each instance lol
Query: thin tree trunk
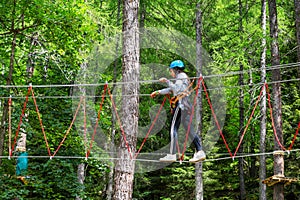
(5, 105)
(124, 169)
(109, 190)
(263, 107)
(80, 176)
(199, 63)
(278, 193)
(297, 23)
(241, 115)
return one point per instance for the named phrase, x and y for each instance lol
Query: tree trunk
(124, 168)
(297, 23)
(263, 107)
(241, 115)
(80, 176)
(199, 63)
(109, 190)
(276, 90)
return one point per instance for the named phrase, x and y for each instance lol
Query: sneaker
(168, 158)
(198, 156)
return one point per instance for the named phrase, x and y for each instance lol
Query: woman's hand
(154, 94)
(163, 80)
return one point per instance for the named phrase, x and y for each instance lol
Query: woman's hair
(177, 70)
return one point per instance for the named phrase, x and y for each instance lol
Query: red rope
(21, 118)
(68, 131)
(215, 118)
(191, 119)
(119, 121)
(84, 128)
(248, 123)
(295, 136)
(151, 127)
(97, 121)
(41, 123)
(272, 119)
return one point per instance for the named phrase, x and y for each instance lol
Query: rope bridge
(134, 155)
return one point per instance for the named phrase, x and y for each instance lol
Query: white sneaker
(198, 156)
(168, 158)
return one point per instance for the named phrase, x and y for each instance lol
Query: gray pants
(183, 116)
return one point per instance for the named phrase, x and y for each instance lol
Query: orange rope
(150, 129)
(272, 119)
(248, 123)
(295, 136)
(68, 131)
(21, 118)
(40, 120)
(119, 120)
(97, 121)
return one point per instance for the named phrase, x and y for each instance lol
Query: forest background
(48, 43)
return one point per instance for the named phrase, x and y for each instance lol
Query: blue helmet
(177, 63)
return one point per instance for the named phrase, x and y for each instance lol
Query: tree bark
(124, 168)
(278, 193)
(80, 176)
(199, 63)
(263, 107)
(241, 114)
(109, 190)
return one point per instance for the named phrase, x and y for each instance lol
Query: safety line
(215, 118)
(141, 95)
(249, 120)
(295, 136)
(119, 121)
(20, 121)
(97, 120)
(272, 119)
(40, 120)
(151, 127)
(68, 130)
(283, 66)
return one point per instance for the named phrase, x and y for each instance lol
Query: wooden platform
(279, 179)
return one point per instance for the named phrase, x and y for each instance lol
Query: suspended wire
(140, 95)
(152, 160)
(232, 73)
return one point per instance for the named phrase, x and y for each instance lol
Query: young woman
(181, 110)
